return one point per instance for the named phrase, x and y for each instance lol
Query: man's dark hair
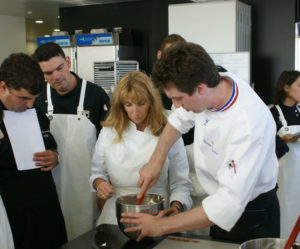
(170, 39)
(186, 65)
(21, 71)
(47, 51)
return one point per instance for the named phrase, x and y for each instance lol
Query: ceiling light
(58, 17)
(29, 12)
(39, 21)
(56, 30)
(46, 35)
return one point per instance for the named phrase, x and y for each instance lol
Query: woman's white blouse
(119, 164)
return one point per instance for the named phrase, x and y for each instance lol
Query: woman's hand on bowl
(104, 190)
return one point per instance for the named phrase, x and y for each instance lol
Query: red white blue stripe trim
(231, 100)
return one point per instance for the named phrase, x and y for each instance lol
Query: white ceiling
(47, 10)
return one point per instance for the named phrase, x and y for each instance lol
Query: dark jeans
(261, 219)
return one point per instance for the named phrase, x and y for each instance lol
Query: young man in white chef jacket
(234, 150)
(188, 138)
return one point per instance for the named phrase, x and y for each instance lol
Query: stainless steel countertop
(110, 237)
(175, 242)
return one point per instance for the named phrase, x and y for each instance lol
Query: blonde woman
(126, 142)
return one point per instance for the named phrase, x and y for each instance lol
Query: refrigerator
(98, 58)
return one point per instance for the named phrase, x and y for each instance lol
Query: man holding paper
(27, 155)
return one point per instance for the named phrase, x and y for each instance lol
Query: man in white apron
(75, 108)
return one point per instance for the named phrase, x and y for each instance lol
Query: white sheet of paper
(25, 136)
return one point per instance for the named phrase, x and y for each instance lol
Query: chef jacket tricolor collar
(231, 100)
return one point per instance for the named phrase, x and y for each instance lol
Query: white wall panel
(213, 25)
(13, 35)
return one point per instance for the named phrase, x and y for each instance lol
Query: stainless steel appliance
(108, 73)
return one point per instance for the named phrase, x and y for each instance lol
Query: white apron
(6, 239)
(289, 180)
(123, 172)
(76, 138)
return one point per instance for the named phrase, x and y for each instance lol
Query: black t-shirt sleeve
(97, 102)
(105, 105)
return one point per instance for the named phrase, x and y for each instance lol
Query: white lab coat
(6, 239)
(76, 137)
(289, 180)
(245, 134)
(119, 163)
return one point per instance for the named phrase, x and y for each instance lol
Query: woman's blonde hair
(136, 87)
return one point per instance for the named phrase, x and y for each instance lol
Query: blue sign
(94, 39)
(63, 41)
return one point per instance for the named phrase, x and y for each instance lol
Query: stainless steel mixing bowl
(152, 204)
(266, 243)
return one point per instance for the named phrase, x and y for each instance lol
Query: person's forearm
(168, 137)
(190, 220)
(149, 173)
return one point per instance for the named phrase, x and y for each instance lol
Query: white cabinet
(218, 26)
